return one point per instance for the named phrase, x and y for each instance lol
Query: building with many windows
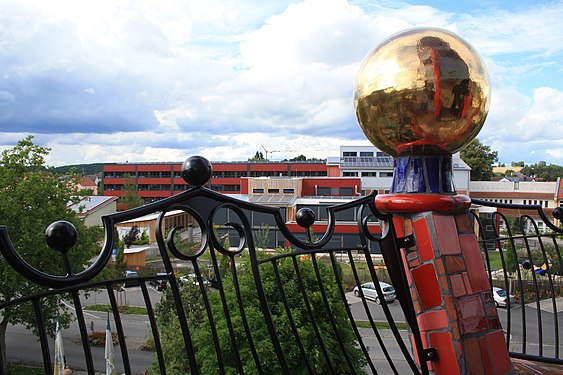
(375, 168)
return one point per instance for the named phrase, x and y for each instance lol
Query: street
(22, 346)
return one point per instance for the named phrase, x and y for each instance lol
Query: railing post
(421, 96)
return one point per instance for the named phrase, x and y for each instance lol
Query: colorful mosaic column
(421, 96)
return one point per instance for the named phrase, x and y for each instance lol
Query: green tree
(176, 361)
(543, 172)
(32, 199)
(259, 156)
(130, 198)
(481, 159)
(517, 164)
(299, 158)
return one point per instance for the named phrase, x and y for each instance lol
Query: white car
(369, 291)
(501, 298)
(192, 278)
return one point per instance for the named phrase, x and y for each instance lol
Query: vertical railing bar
(190, 351)
(244, 319)
(209, 317)
(83, 332)
(119, 327)
(393, 259)
(349, 312)
(494, 219)
(290, 316)
(42, 336)
(550, 279)
(520, 283)
(154, 329)
(329, 312)
(534, 279)
(554, 299)
(310, 311)
(226, 312)
(254, 263)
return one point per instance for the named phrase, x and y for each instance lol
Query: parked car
(160, 284)
(501, 298)
(131, 274)
(192, 278)
(369, 291)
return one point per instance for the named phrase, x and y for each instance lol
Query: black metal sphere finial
(558, 213)
(196, 170)
(305, 217)
(61, 235)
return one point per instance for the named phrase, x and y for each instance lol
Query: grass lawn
(136, 310)
(13, 369)
(494, 258)
(380, 325)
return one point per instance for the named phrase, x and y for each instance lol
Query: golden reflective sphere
(422, 91)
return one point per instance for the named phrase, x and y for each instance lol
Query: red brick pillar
(448, 284)
(421, 96)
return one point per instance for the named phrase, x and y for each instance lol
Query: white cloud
(146, 79)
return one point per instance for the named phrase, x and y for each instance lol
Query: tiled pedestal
(450, 290)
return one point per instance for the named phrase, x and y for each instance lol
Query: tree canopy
(205, 351)
(481, 159)
(258, 156)
(543, 172)
(130, 198)
(32, 199)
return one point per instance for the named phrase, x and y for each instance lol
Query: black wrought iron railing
(522, 252)
(234, 305)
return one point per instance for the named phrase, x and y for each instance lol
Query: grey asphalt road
(23, 346)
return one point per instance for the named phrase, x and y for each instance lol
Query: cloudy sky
(140, 80)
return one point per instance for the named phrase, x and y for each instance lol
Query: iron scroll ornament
(196, 171)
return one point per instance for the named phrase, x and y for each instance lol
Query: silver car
(369, 291)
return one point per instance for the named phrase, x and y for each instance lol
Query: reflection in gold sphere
(422, 91)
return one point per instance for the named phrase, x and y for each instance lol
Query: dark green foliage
(259, 156)
(31, 200)
(130, 198)
(83, 169)
(131, 236)
(481, 159)
(543, 172)
(200, 329)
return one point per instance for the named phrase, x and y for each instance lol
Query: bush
(99, 338)
(205, 351)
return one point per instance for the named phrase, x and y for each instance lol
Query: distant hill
(82, 169)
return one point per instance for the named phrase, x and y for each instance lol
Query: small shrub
(99, 338)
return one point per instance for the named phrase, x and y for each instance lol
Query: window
(349, 153)
(369, 174)
(385, 174)
(545, 204)
(323, 190)
(288, 191)
(366, 153)
(346, 191)
(273, 191)
(258, 191)
(349, 174)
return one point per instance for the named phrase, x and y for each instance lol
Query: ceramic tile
(498, 352)
(474, 263)
(471, 315)
(446, 234)
(427, 286)
(423, 240)
(447, 357)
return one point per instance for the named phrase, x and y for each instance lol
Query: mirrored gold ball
(422, 91)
